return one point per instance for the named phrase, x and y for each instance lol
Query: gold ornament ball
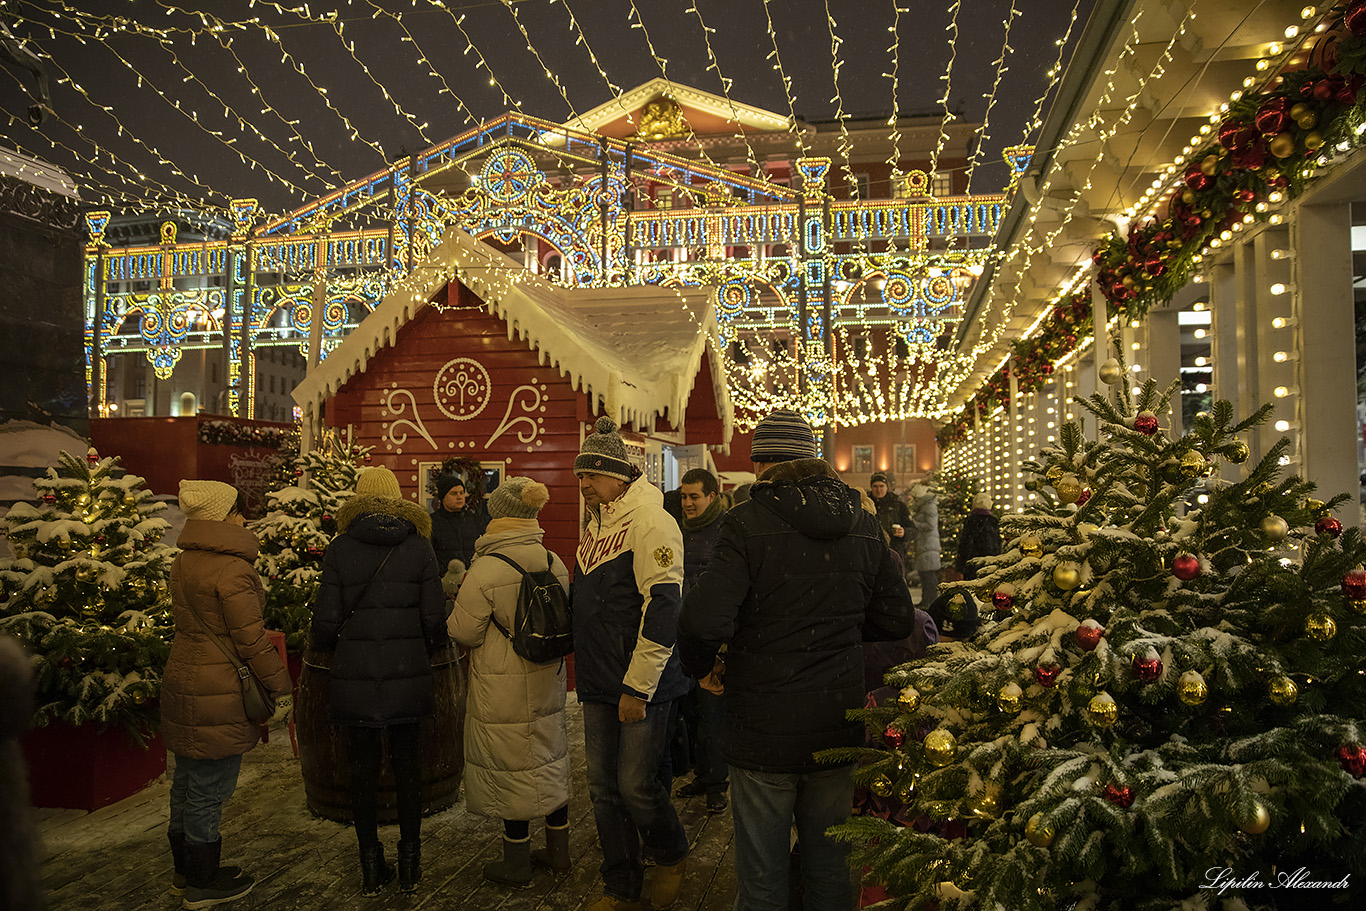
(881, 786)
(1275, 528)
(1320, 627)
(1357, 605)
(1054, 474)
(909, 700)
(1313, 141)
(1067, 576)
(1315, 506)
(1192, 464)
(1191, 688)
(1030, 546)
(1110, 372)
(940, 746)
(1282, 690)
(1039, 833)
(1237, 452)
(130, 498)
(1258, 822)
(1307, 122)
(1010, 699)
(1282, 145)
(85, 572)
(986, 805)
(1102, 711)
(906, 792)
(1209, 165)
(83, 499)
(1068, 488)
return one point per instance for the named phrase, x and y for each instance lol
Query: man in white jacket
(627, 593)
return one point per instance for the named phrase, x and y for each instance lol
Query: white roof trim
(716, 105)
(635, 350)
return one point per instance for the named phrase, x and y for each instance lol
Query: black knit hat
(603, 452)
(878, 476)
(445, 483)
(783, 436)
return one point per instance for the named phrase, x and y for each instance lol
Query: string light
(1000, 64)
(712, 64)
(786, 80)
(947, 79)
(846, 145)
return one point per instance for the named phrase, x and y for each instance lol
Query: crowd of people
(728, 639)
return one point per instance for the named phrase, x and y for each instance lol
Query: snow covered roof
(39, 173)
(636, 350)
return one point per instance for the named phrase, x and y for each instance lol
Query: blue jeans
(630, 796)
(199, 789)
(765, 805)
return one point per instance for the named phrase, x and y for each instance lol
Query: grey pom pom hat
(604, 453)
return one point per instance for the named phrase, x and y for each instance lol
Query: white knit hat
(207, 501)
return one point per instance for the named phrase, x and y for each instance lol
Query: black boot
(178, 881)
(207, 884)
(409, 865)
(375, 873)
(177, 840)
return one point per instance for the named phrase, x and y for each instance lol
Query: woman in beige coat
(215, 592)
(516, 749)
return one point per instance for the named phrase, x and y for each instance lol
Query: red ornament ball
(1145, 422)
(49, 499)
(1147, 667)
(1352, 758)
(1120, 797)
(1083, 496)
(1047, 676)
(1003, 601)
(1354, 584)
(1089, 634)
(1196, 179)
(1355, 19)
(1328, 526)
(1185, 567)
(1273, 116)
(893, 736)
(367, 457)
(1324, 90)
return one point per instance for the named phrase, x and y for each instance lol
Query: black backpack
(543, 628)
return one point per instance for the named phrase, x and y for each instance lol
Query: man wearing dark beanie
(626, 596)
(799, 577)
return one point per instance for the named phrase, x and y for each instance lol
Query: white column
(1160, 345)
(1325, 325)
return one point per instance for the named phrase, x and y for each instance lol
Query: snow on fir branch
(1170, 674)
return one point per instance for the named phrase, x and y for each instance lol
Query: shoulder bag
(255, 699)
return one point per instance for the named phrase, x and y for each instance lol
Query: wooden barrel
(322, 745)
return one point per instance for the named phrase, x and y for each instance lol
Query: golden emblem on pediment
(662, 119)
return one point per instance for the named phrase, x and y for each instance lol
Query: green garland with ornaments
(1266, 150)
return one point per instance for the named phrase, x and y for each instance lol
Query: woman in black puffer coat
(381, 609)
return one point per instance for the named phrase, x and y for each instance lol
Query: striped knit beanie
(603, 452)
(783, 436)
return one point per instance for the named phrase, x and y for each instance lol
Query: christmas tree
(1167, 695)
(956, 489)
(86, 593)
(296, 530)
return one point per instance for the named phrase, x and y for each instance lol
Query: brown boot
(515, 867)
(556, 853)
(668, 882)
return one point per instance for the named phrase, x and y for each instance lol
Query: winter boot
(556, 853)
(178, 882)
(374, 872)
(515, 867)
(668, 882)
(409, 865)
(206, 883)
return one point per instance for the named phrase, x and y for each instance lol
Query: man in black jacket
(456, 523)
(892, 513)
(799, 577)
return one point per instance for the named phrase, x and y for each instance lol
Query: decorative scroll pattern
(530, 424)
(396, 404)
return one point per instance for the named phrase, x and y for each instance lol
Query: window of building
(861, 186)
(664, 198)
(272, 384)
(941, 185)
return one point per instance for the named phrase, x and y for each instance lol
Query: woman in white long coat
(516, 748)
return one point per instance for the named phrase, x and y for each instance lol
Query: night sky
(740, 42)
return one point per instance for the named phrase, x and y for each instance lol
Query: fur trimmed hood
(808, 494)
(356, 507)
